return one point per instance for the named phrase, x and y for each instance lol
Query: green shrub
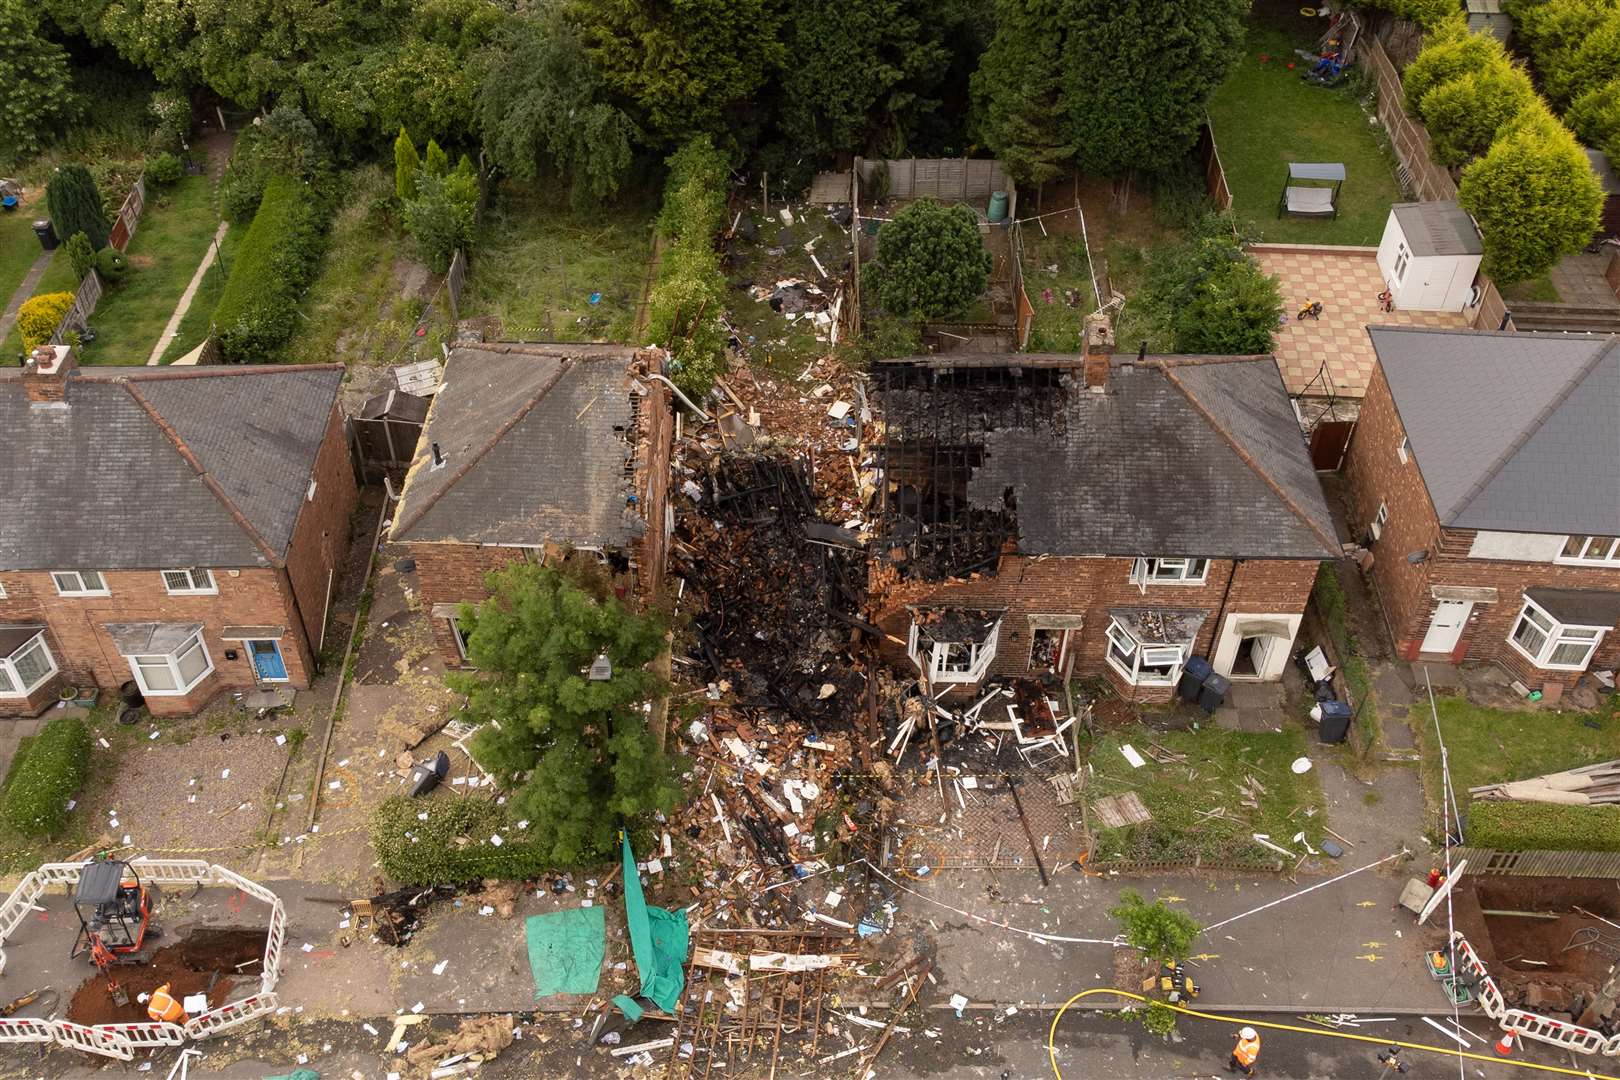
(81, 256)
(1529, 826)
(1447, 57)
(1595, 117)
(407, 163)
(435, 162)
(441, 216)
(931, 260)
(258, 309)
(1331, 606)
(112, 265)
(689, 296)
(75, 204)
(45, 776)
(284, 143)
(1160, 931)
(452, 845)
(1464, 114)
(39, 317)
(165, 168)
(1429, 14)
(172, 109)
(1210, 295)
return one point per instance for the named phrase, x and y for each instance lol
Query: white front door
(1446, 627)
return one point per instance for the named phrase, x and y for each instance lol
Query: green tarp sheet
(658, 938)
(565, 950)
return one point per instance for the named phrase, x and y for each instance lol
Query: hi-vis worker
(162, 1007)
(1245, 1052)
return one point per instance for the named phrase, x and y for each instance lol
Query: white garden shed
(1429, 256)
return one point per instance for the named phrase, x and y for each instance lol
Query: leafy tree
(464, 167)
(38, 97)
(1448, 55)
(544, 108)
(406, 164)
(1212, 297)
(1534, 195)
(1160, 931)
(686, 67)
(1595, 117)
(1429, 14)
(1136, 75)
(81, 255)
(861, 71)
(933, 262)
(75, 204)
(435, 162)
(1575, 47)
(1464, 114)
(589, 762)
(39, 317)
(686, 302)
(1019, 110)
(440, 218)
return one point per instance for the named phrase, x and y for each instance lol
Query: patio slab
(1332, 355)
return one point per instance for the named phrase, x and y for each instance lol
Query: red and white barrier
(1529, 1025)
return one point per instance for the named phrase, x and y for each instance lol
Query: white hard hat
(1249, 1033)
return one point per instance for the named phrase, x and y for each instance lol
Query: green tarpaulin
(565, 950)
(658, 938)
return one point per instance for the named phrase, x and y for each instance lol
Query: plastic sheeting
(658, 938)
(566, 949)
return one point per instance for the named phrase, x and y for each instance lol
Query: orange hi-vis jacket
(1246, 1051)
(162, 1007)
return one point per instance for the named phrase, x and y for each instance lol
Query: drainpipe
(1220, 614)
(685, 400)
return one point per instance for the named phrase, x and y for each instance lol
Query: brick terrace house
(1486, 475)
(1097, 515)
(180, 528)
(529, 450)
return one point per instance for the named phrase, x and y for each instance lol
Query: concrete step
(1573, 318)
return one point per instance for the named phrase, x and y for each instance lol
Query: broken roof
(1513, 432)
(537, 445)
(142, 468)
(1184, 455)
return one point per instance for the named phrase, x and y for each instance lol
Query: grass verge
(199, 317)
(347, 305)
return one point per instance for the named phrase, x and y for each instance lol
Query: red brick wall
(652, 551)
(1089, 587)
(1374, 472)
(454, 574)
(321, 536)
(85, 651)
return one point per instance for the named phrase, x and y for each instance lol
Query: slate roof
(536, 440)
(1184, 456)
(152, 468)
(1438, 228)
(1511, 432)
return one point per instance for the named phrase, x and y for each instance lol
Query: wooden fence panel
(1214, 173)
(455, 281)
(129, 215)
(84, 302)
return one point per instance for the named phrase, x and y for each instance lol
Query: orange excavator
(115, 918)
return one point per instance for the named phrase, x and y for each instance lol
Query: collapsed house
(528, 451)
(1092, 515)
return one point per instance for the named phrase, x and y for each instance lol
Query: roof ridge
(190, 458)
(1166, 361)
(401, 527)
(1529, 430)
(1332, 542)
(155, 374)
(1471, 331)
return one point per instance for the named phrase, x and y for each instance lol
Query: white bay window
(1597, 550)
(954, 645)
(1142, 663)
(166, 659)
(1551, 644)
(26, 662)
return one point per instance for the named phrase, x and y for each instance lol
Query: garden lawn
(776, 253)
(1219, 760)
(198, 320)
(1057, 324)
(538, 261)
(175, 230)
(58, 278)
(1265, 116)
(1487, 746)
(19, 247)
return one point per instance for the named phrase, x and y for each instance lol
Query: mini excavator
(115, 918)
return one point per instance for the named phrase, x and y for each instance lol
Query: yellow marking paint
(1206, 956)
(1371, 958)
(1366, 903)
(1173, 899)
(1372, 944)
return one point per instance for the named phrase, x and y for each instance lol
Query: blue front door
(267, 662)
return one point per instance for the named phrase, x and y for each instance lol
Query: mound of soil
(187, 966)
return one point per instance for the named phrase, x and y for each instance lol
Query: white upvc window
(460, 635)
(1168, 571)
(168, 674)
(2, 590)
(1403, 259)
(1379, 520)
(27, 668)
(1550, 644)
(1596, 550)
(1404, 450)
(1143, 664)
(190, 582)
(80, 583)
(955, 661)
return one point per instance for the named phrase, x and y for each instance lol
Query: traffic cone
(1504, 1045)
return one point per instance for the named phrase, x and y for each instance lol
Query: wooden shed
(1430, 255)
(386, 430)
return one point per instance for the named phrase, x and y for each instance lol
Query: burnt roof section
(1438, 228)
(1511, 432)
(142, 469)
(1194, 456)
(537, 444)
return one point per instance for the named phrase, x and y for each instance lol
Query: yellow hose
(1051, 1037)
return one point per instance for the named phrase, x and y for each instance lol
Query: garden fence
(1214, 174)
(947, 179)
(78, 316)
(129, 215)
(455, 281)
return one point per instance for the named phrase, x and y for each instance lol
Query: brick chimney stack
(1097, 351)
(46, 372)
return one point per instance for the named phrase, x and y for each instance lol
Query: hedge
(414, 851)
(258, 311)
(690, 293)
(45, 775)
(1530, 826)
(40, 315)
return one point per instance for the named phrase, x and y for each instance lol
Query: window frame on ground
(171, 663)
(459, 636)
(1139, 657)
(12, 684)
(943, 664)
(1553, 637)
(1182, 570)
(82, 578)
(1606, 549)
(191, 578)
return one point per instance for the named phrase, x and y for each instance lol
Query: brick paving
(1347, 282)
(986, 833)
